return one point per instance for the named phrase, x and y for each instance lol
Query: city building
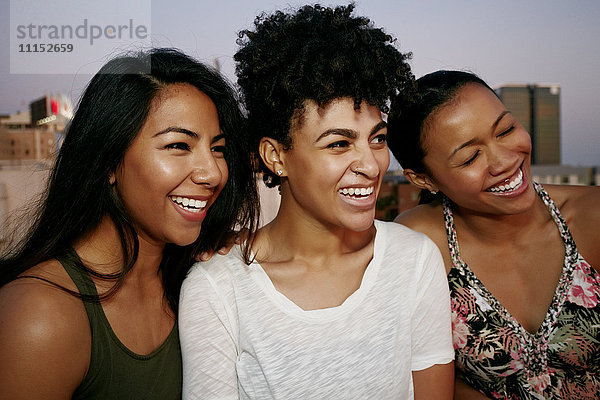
(537, 108)
(29, 141)
(35, 134)
(566, 175)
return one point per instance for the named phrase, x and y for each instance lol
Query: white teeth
(509, 186)
(189, 204)
(357, 191)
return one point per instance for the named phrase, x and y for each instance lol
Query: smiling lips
(357, 193)
(188, 204)
(508, 185)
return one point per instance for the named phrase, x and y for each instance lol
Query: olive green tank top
(115, 372)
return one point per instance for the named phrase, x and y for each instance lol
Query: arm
(462, 391)
(435, 382)
(432, 349)
(44, 341)
(582, 213)
(207, 338)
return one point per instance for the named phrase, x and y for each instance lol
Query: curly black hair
(315, 53)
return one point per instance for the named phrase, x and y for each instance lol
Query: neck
(504, 228)
(297, 234)
(101, 249)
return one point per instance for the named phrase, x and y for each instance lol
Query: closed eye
(506, 132)
(471, 160)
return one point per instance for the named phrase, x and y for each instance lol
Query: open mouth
(357, 193)
(188, 204)
(509, 185)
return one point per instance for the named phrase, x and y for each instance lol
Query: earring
(279, 172)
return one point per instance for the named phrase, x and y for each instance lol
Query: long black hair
(110, 114)
(407, 122)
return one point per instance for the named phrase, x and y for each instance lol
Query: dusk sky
(541, 41)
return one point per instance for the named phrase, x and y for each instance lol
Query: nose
(500, 160)
(366, 163)
(206, 171)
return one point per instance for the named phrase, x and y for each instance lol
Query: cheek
(222, 166)
(383, 160)
(524, 140)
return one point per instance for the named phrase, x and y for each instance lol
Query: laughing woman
(88, 300)
(525, 283)
(333, 305)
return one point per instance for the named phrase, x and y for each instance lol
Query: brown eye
(338, 145)
(379, 139)
(178, 146)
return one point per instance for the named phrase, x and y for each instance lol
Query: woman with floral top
(525, 284)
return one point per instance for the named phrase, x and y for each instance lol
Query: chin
(360, 224)
(185, 240)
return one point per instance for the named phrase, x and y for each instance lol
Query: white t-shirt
(241, 338)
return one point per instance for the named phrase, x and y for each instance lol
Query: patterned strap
(534, 345)
(571, 250)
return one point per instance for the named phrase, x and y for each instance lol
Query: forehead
(471, 112)
(182, 103)
(338, 113)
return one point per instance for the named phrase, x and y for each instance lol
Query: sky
(504, 42)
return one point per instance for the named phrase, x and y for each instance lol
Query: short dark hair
(315, 53)
(407, 122)
(408, 116)
(109, 116)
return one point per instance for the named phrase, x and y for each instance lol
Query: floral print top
(498, 357)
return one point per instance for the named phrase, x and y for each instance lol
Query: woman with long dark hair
(152, 172)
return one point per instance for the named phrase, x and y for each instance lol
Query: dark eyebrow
(217, 138)
(378, 127)
(191, 134)
(470, 142)
(462, 146)
(349, 133)
(497, 121)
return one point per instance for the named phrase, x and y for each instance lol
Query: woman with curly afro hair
(334, 304)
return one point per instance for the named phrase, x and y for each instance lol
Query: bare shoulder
(580, 207)
(423, 218)
(44, 336)
(573, 198)
(428, 219)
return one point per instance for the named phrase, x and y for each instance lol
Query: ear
(420, 180)
(272, 154)
(112, 178)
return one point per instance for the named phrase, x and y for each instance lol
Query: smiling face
(336, 164)
(478, 154)
(175, 167)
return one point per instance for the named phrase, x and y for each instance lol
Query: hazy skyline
(503, 42)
